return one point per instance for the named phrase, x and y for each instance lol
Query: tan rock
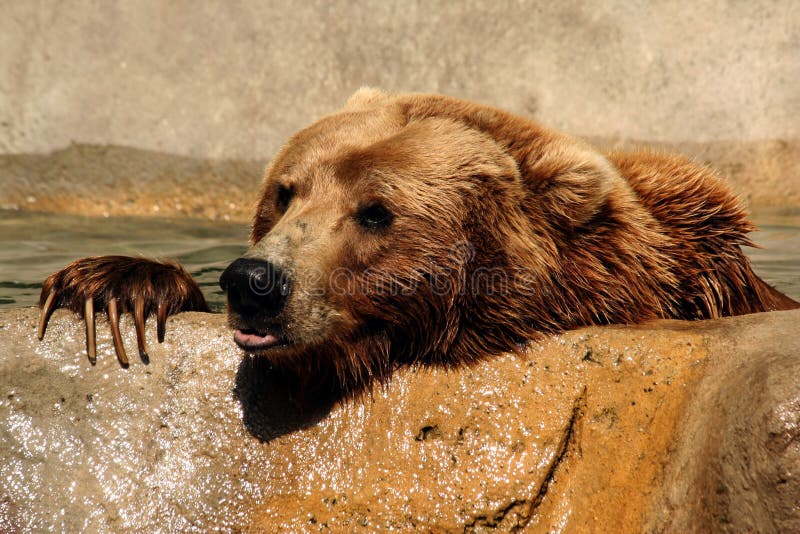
(735, 466)
(114, 180)
(670, 426)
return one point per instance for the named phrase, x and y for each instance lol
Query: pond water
(33, 245)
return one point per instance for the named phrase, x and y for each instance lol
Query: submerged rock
(670, 426)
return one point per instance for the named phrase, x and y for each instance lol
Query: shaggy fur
(501, 231)
(119, 284)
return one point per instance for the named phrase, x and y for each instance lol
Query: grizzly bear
(422, 228)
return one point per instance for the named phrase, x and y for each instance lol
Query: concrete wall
(233, 79)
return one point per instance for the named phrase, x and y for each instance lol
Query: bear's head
(409, 228)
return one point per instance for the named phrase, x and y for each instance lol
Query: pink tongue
(254, 340)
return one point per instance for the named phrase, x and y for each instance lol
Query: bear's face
(364, 234)
(427, 228)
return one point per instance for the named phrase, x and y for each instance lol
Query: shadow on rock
(271, 404)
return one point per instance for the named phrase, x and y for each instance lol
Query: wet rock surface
(736, 464)
(670, 426)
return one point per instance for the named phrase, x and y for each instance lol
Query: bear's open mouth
(250, 339)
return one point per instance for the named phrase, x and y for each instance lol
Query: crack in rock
(517, 514)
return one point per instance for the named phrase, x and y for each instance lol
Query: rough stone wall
(223, 80)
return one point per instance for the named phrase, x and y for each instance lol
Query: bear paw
(119, 284)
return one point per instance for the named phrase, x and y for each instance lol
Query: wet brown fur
(579, 237)
(159, 288)
(585, 238)
(124, 278)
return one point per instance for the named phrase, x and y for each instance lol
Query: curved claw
(139, 321)
(162, 320)
(113, 318)
(47, 311)
(91, 340)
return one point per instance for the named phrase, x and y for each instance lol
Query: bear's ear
(364, 97)
(568, 181)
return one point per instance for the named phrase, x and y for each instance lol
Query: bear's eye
(374, 217)
(284, 197)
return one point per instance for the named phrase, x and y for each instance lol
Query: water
(33, 245)
(778, 261)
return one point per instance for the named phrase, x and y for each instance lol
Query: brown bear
(422, 228)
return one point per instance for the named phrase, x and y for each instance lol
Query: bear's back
(700, 211)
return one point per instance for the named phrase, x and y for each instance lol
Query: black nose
(255, 287)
